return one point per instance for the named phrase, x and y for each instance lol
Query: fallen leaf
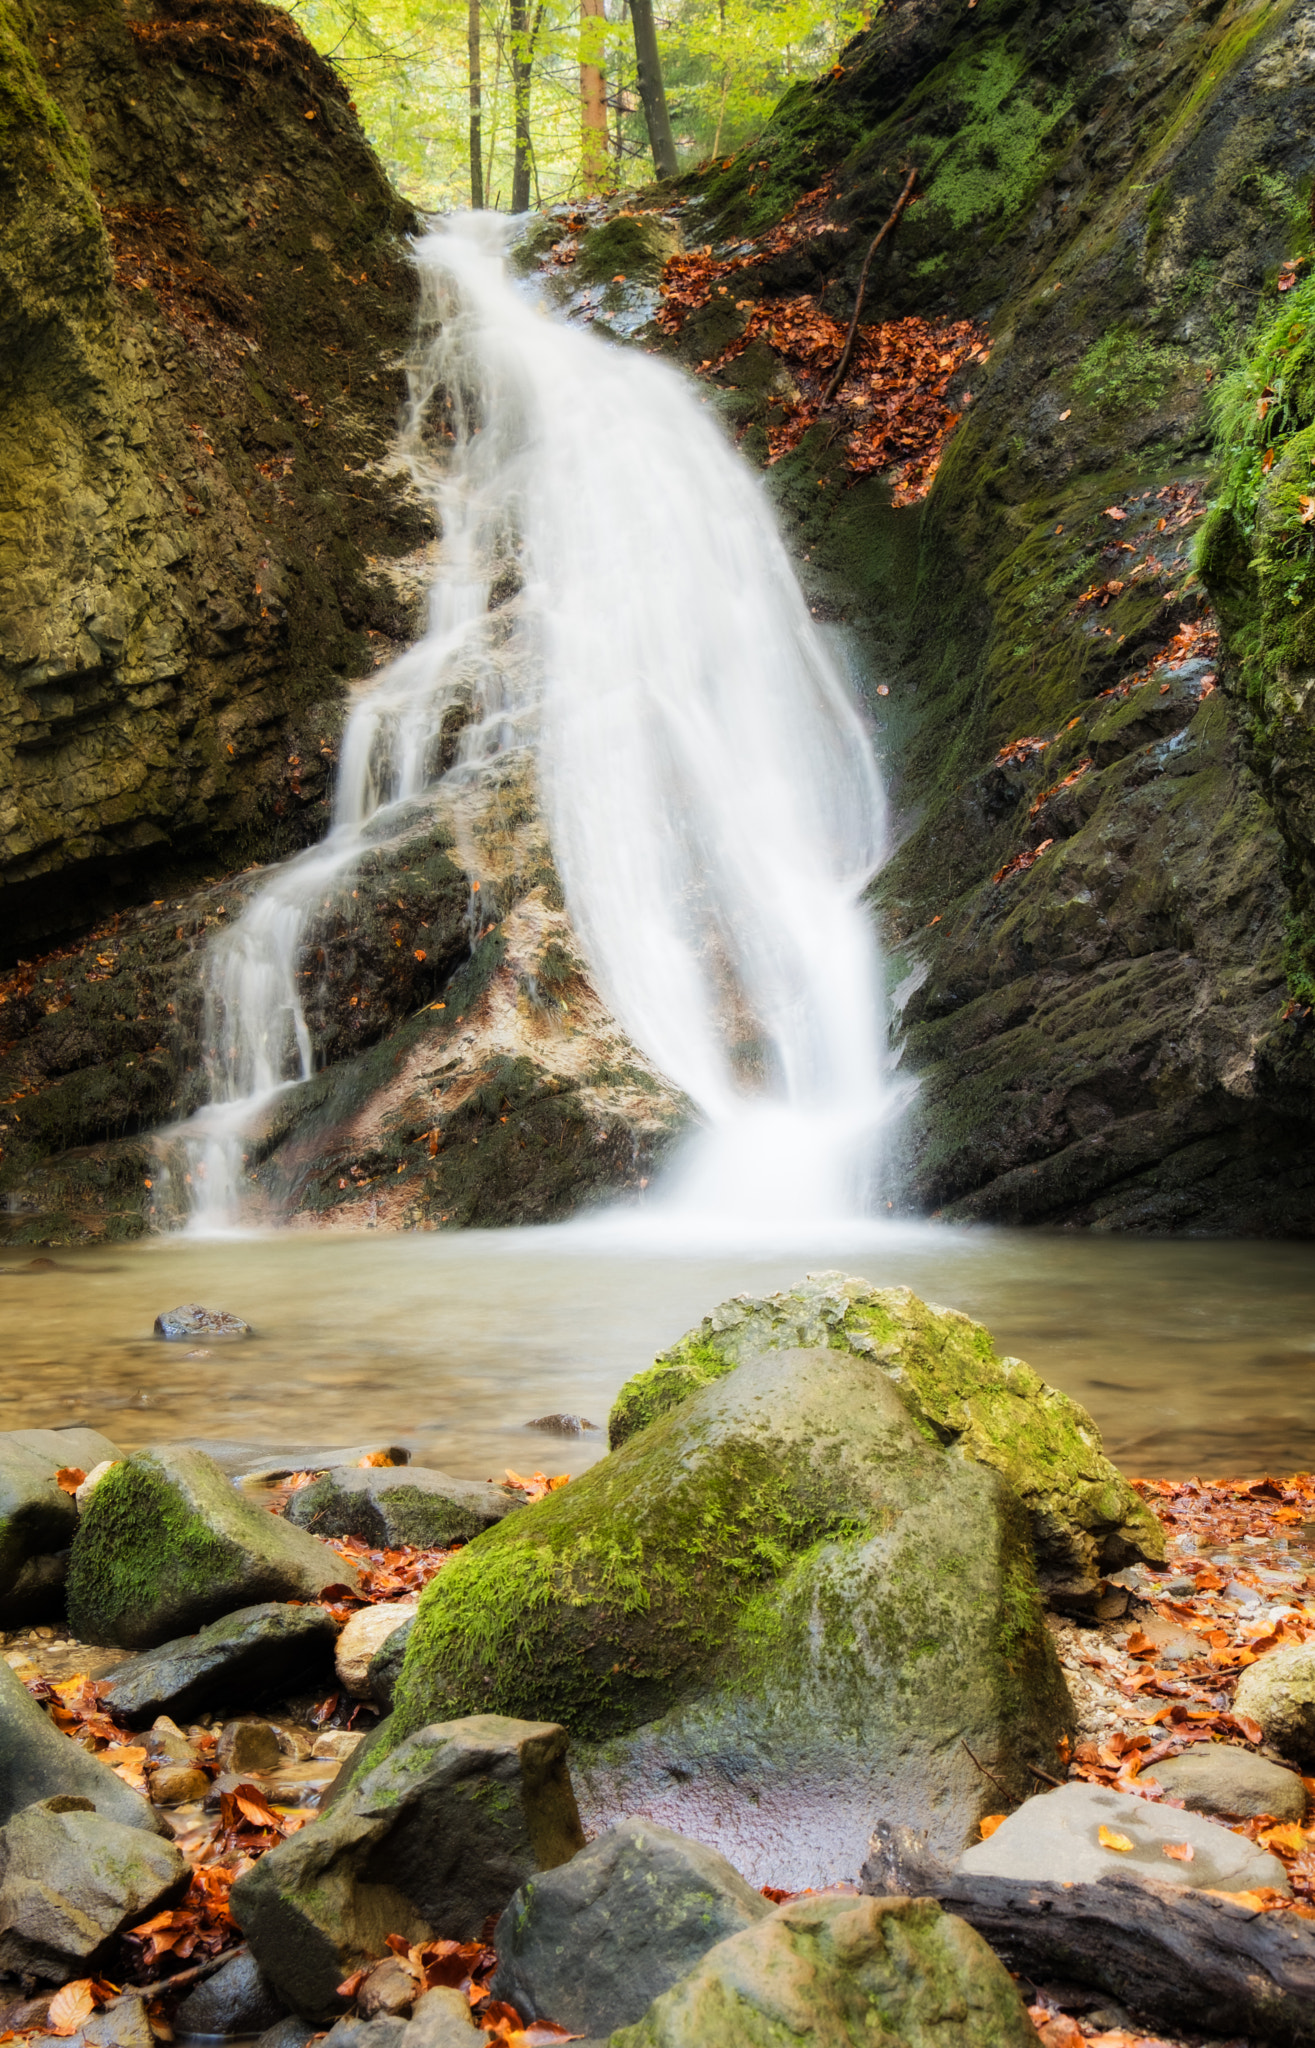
(1064, 415)
(989, 1823)
(71, 2006)
(1113, 512)
(1307, 504)
(70, 1477)
(1110, 1839)
(1181, 1852)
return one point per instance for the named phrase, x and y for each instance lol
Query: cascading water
(711, 793)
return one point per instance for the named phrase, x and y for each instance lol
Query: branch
(877, 240)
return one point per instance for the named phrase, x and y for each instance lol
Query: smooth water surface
(1193, 1356)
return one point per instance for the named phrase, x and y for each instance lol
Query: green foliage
(1123, 372)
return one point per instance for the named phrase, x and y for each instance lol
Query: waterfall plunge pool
(1193, 1355)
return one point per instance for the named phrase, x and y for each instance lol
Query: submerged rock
(1056, 1837)
(772, 1615)
(167, 1545)
(1278, 1690)
(1218, 1777)
(37, 1762)
(193, 1324)
(70, 1881)
(415, 1506)
(593, 1943)
(249, 1654)
(1086, 1519)
(832, 1971)
(432, 1840)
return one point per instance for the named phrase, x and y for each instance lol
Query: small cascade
(711, 793)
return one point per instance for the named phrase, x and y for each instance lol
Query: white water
(712, 797)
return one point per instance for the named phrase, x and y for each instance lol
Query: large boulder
(1079, 1833)
(167, 1545)
(832, 1971)
(414, 1506)
(641, 1904)
(1278, 1690)
(36, 1516)
(38, 1762)
(1086, 1519)
(246, 1657)
(776, 1614)
(433, 1840)
(70, 1881)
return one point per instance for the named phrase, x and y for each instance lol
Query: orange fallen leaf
(71, 2006)
(1181, 1852)
(1287, 1836)
(70, 1477)
(1113, 512)
(1111, 1839)
(989, 1823)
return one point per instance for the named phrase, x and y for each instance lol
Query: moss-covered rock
(70, 1881)
(956, 1388)
(411, 1506)
(828, 1972)
(167, 1544)
(778, 1611)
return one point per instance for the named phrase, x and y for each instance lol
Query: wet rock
(381, 2032)
(819, 1535)
(64, 1448)
(383, 1507)
(194, 1324)
(178, 1784)
(37, 1594)
(831, 1971)
(435, 1838)
(37, 1762)
(386, 1666)
(1055, 1838)
(248, 1746)
(168, 1546)
(363, 1637)
(123, 2024)
(562, 1425)
(440, 2019)
(995, 1411)
(71, 1881)
(250, 1654)
(165, 1742)
(36, 1517)
(238, 1999)
(640, 1903)
(1217, 1777)
(337, 1744)
(254, 1464)
(390, 1988)
(289, 2033)
(1278, 1690)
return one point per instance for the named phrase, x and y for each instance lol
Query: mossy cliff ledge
(775, 1613)
(955, 1388)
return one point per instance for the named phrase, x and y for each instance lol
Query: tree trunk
(523, 39)
(476, 139)
(593, 105)
(651, 90)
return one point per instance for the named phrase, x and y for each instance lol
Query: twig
(198, 1970)
(1038, 1773)
(848, 349)
(988, 1774)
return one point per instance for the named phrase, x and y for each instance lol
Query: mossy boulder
(827, 1972)
(71, 1880)
(167, 1544)
(412, 1505)
(633, 246)
(775, 1614)
(957, 1390)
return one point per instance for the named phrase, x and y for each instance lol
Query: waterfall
(710, 790)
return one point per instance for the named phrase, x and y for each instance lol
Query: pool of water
(1192, 1356)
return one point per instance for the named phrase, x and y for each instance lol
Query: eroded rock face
(863, 1601)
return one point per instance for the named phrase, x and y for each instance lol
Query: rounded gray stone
(1278, 1690)
(1055, 1839)
(1217, 1777)
(197, 1324)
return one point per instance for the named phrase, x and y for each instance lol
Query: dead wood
(847, 351)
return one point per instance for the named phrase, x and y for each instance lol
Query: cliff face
(204, 297)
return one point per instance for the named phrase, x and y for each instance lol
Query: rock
(167, 1546)
(252, 1653)
(441, 2019)
(383, 2032)
(1086, 1519)
(389, 1988)
(36, 1517)
(62, 1449)
(37, 1594)
(641, 1904)
(289, 2033)
(337, 1744)
(1217, 1777)
(562, 1425)
(433, 1839)
(238, 1999)
(265, 1464)
(866, 1604)
(37, 1762)
(165, 1741)
(386, 1666)
(1055, 1837)
(194, 1324)
(1278, 1690)
(70, 1881)
(363, 1637)
(92, 1481)
(829, 1972)
(385, 1507)
(178, 1784)
(123, 2024)
(248, 1746)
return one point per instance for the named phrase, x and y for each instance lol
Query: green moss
(1125, 372)
(1005, 122)
(137, 1536)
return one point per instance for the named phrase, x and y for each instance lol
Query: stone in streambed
(38, 1762)
(441, 2018)
(250, 1654)
(641, 1904)
(1217, 1777)
(123, 2023)
(414, 1506)
(433, 1839)
(1086, 1519)
(364, 1635)
(167, 1546)
(36, 1517)
(1278, 1690)
(193, 1324)
(832, 1971)
(37, 1594)
(381, 2032)
(292, 2032)
(386, 1666)
(238, 1999)
(1054, 1838)
(70, 1881)
(562, 1425)
(64, 1449)
(253, 1464)
(779, 1611)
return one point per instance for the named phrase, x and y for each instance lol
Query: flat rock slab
(385, 1508)
(434, 1839)
(247, 1656)
(256, 1464)
(1278, 1690)
(193, 1324)
(167, 1545)
(73, 1880)
(831, 1971)
(1055, 1838)
(38, 1762)
(1217, 1777)
(62, 1448)
(641, 1904)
